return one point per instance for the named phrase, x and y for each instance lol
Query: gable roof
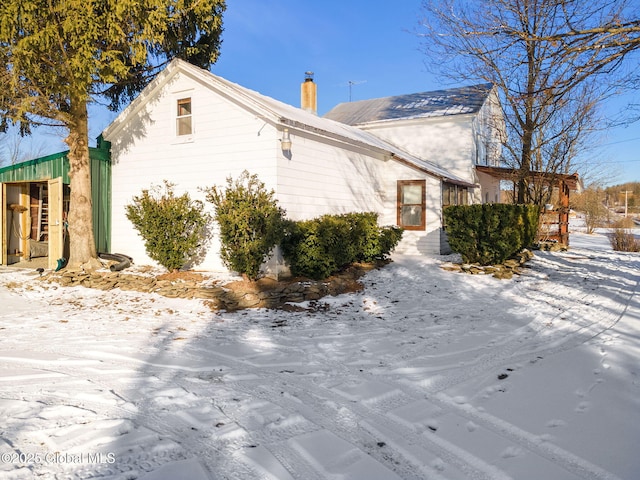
(454, 101)
(279, 113)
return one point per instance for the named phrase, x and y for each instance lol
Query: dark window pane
(411, 216)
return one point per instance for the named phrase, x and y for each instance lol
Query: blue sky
(268, 46)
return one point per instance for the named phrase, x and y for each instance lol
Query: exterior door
(56, 224)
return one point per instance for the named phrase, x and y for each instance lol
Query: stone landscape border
(236, 295)
(503, 271)
(263, 293)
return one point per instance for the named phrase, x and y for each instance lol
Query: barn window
(412, 204)
(183, 119)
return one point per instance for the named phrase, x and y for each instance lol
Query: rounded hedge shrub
(251, 223)
(322, 246)
(174, 228)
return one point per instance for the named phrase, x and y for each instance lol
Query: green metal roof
(50, 166)
(43, 168)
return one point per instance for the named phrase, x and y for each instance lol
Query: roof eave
(405, 160)
(276, 116)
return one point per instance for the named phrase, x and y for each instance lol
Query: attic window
(183, 118)
(412, 204)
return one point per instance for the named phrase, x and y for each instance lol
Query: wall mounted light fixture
(285, 142)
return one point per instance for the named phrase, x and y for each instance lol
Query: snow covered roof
(280, 113)
(454, 101)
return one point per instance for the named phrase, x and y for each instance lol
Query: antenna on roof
(351, 83)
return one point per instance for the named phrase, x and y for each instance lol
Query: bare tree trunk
(525, 169)
(552, 61)
(528, 127)
(81, 240)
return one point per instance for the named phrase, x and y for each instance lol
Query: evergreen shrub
(250, 220)
(173, 228)
(490, 233)
(322, 246)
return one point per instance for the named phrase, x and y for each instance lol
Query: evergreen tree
(60, 55)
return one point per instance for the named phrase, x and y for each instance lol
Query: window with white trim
(184, 124)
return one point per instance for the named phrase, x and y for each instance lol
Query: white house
(457, 129)
(195, 129)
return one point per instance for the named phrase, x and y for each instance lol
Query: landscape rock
(263, 293)
(503, 271)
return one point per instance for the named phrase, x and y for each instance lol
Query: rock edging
(264, 293)
(504, 271)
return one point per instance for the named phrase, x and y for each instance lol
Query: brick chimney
(309, 94)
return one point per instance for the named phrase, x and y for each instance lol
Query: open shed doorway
(35, 223)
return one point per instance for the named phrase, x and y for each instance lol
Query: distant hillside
(625, 193)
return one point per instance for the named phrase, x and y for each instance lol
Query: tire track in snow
(370, 419)
(321, 406)
(316, 411)
(145, 458)
(508, 353)
(537, 339)
(396, 432)
(573, 337)
(565, 459)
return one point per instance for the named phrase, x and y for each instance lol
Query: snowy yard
(427, 374)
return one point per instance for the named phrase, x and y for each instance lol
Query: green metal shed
(50, 167)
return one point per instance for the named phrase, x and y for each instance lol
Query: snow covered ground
(427, 374)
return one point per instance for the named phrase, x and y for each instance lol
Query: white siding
(415, 242)
(489, 131)
(446, 141)
(319, 175)
(490, 187)
(322, 178)
(325, 177)
(456, 143)
(227, 139)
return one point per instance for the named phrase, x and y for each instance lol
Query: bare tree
(590, 202)
(15, 149)
(553, 63)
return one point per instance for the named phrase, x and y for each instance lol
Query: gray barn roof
(439, 103)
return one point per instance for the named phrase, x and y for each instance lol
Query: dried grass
(624, 240)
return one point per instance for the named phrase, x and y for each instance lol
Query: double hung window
(412, 204)
(184, 124)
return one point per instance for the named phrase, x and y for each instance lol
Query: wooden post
(563, 225)
(3, 225)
